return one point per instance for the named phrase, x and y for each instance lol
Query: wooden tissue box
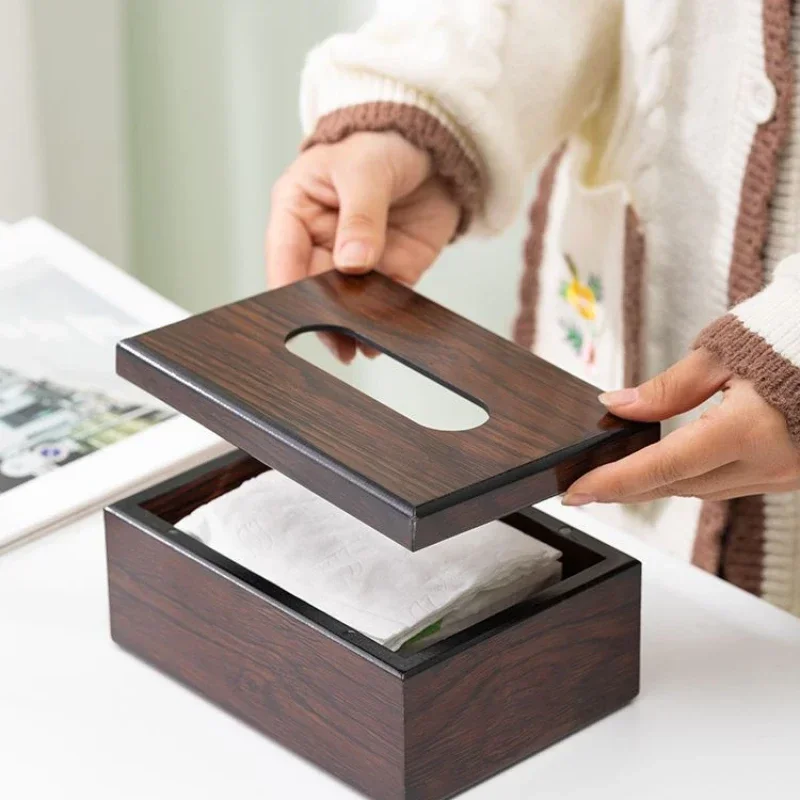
(421, 726)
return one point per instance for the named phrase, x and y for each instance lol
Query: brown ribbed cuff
(750, 356)
(421, 129)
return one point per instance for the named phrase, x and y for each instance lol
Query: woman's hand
(367, 202)
(741, 447)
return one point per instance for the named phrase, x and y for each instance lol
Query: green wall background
(212, 120)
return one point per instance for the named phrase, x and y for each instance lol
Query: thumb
(684, 386)
(363, 213)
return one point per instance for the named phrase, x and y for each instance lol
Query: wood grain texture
(421, 726)
(206, 483)
(230, 370)
(504, 700)
(302, 688)
(155, 510)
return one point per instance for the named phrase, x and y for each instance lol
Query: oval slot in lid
(382, 377)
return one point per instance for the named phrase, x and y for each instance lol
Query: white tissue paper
(319, 553)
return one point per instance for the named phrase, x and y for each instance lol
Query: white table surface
(718, 716)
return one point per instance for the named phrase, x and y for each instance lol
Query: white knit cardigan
(677, 191)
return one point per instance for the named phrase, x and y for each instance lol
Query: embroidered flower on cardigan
(583, 299)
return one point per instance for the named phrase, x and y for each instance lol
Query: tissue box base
(422, 726)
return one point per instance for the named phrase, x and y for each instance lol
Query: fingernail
(353, 255)
(577, 500)
(622, 397)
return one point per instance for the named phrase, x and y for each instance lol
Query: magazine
(73, 435)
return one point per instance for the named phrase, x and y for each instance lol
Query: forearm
(487, 87)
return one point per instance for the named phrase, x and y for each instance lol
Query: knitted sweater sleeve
(488, 87)
(760, 340)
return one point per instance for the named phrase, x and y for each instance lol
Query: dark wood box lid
(230, 370)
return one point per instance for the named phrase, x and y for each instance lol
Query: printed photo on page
(59, 401)
(73, 435)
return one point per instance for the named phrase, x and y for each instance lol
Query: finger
(741, 491)
(343, 348)
(368, 350)
(364, 192)
(420, 226)
(321, 261)
(406, 258)
(726, 494)
(322, 227)
(727, 478)
(696, 448)
(684, 386)
(288, 248)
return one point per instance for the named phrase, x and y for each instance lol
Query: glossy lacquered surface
(719, 678)
(230, 369)
(423, 726)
